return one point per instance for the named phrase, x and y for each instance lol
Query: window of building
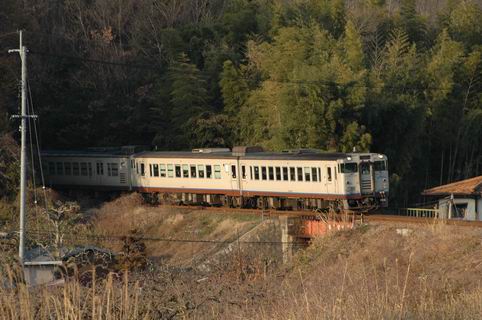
(209, 171)
(256, 173)
(200, 171)
(307, 174)
(193, 171)
(185, 171)
(178, 170)
(89, 167)
(459, 210)
(60, 168)
(170, 171)
(380, 166)
(143, 170)
(217, 172)
(328, 173)
(51, 168)
(292, 174)
(233, 171)
(75, 169)
(243, 172)
(83, 169)
(270, 173)
(314, 174)
(162, 170)
(263, 173)
(285, 173)
(155, 170)
(348, 167)
(300, 174)
(68, 168)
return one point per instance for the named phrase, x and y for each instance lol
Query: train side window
(178, 170)
(155, 170)
(328, 173)
(193, 171)
(143, 170)
(250, 173)
(314, 174)
(200, 171)
(271, 173)
(170, 171)
(150, 170)
(185, 171)
(132, 164)
(243, 172)
(285, 173)
(217, 172)
(51, 168)
(162, 170)
(300, 173)
(60, 168)
(319, 174)
(137, 168)
(99, 168)
(83, 169)
(233, 171)
(68, 168)
(292, 174)
(335, 172)
(278, 173)
(307, 174)
(75, 168)
(256, 173)
(209, 171)
(112, 169)
(263, 173)
(89, 166)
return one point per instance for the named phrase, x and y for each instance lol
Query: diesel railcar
(243, 177)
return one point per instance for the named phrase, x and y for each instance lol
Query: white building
(459, 200)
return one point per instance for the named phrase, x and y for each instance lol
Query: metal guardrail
(420, 212)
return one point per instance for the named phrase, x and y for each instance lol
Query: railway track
(368, 218)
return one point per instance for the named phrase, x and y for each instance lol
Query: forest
(399, 77)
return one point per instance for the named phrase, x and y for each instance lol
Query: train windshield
(379, 166)
(349, 168)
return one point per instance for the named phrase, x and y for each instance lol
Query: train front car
(365, 180)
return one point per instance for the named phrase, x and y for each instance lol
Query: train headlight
(380, 156)
(348, 158)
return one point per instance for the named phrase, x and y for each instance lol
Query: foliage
(397, 77)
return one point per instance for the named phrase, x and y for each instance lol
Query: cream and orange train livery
(243, 177)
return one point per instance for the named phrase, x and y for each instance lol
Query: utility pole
(23, 155)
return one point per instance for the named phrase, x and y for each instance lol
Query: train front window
(379, 166)
(349, 167)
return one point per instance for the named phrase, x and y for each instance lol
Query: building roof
(472, 186)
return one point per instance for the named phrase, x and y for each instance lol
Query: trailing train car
(243, 177)
(101, 168)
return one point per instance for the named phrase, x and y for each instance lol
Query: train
(244, 176)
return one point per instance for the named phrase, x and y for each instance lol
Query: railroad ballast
(242, 177)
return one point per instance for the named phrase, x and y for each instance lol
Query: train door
(366, 181)
(99, 172)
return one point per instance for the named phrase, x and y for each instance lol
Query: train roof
(254, 155)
